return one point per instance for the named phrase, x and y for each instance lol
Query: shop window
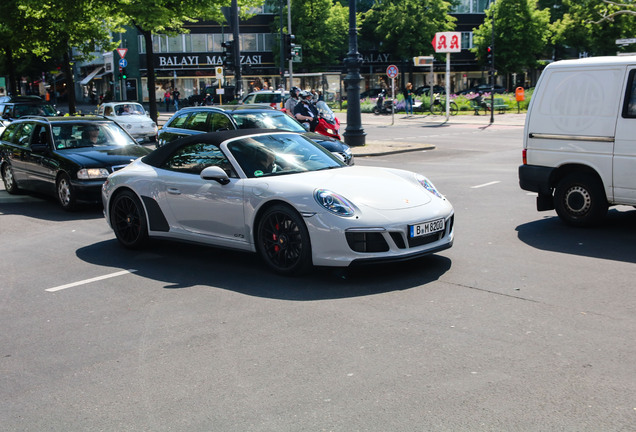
(175, 43)
(198, 43)
(248, 42)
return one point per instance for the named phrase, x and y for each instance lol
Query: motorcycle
(328, 123)
(383, 105)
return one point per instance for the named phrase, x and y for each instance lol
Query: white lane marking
(87, 281)
(485, 184)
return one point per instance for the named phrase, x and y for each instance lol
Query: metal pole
(354, 134)
(492, 68)
(289, 30)
(282, 47)
(447, 83)
(238, 89)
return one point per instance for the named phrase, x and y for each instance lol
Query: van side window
(629, 105)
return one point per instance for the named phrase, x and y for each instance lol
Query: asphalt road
(524, 325)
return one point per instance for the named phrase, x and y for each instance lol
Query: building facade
(189, 62)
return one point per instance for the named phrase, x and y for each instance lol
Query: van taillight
(524, 156)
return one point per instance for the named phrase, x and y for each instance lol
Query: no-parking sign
(392, 71)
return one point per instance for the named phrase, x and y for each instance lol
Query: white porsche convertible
(280, 195)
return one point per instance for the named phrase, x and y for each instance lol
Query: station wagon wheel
(10, 184)
(128, 220)
(65, 193)
(283, 242)
(579, 200)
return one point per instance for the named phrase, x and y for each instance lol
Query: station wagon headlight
(334, 202)
(428, 185)
(92, 173)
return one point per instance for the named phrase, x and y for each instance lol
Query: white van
(579, 144)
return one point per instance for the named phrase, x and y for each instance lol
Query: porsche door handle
(174, 191)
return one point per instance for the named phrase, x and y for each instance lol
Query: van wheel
(579, 200)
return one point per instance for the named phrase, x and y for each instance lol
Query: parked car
(12, 108)
(197, 120)
(133, 117)
(280, 195)
(65, 157)
(372, 93)
(483, 88)
(271, 98)
(424, 90)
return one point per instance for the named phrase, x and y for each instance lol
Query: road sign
(447, 42)
(219, 72)
(392, 71)
(423, 60)
(122, 52)
(625, 41)
(123, 62)
(298, 54)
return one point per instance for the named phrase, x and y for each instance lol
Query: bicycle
(438, 107)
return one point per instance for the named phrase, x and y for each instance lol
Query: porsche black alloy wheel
(283, 241)
(128, 220)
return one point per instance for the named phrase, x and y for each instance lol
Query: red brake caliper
(275, 238)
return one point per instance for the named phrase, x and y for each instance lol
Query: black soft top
(160, 155)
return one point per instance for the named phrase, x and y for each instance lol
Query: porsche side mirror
(215, 173)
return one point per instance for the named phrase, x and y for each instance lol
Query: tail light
(524, 156)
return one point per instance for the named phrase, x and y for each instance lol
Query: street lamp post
(354, 134)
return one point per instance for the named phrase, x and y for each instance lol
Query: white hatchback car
(132, 117)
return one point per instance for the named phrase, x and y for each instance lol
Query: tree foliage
(405, 28)
(593, 26)
(521, 35)
(320, 27)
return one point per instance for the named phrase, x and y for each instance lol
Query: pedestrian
(166, 99)
(408, 99)
(290, 104)
(175, 98)
(305, 111)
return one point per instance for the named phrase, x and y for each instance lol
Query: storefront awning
(91, 75)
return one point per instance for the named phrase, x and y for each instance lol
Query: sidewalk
(374, 147)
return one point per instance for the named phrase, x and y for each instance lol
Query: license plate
(426, 228)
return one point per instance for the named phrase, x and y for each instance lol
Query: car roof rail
(35, 117)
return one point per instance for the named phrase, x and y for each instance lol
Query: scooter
(384, 106)
(328, 123)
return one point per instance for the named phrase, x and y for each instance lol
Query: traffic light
(289, 44)
(228, 54)
(123, 73)
(489, 55)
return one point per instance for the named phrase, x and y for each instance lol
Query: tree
(593, 27)
(20, 36)
(320, 27)
(521, 35)
(405, 28)
(49, 28)
(152, 17)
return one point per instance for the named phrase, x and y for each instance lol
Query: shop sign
(201, 60)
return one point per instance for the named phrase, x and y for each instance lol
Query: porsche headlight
(428, 185)
(334, 202)
(92, 173)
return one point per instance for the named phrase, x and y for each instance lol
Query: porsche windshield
(89, 134)
(279, 154)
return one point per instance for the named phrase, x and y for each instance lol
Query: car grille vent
(422, 240)
(117, 167)
(366, 242)
(398, 239)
